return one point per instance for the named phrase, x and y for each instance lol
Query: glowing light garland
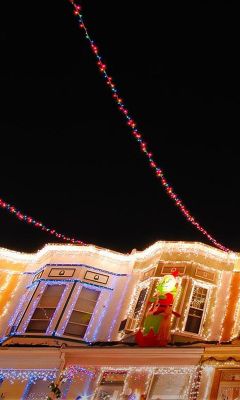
(226, 309)
(209, 313)
(133, 377)
(28, 388)
(195, 384)
(135, 297)
(105, 305)
(22, 375)
(136, 379)
(37, 224)
(207, 378)
(118, 309)
(190, 250)
(72, 370)
(138, 136)
(231, 362)
(17, 315)
(34, 304)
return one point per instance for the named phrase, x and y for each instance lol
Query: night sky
(67, 157)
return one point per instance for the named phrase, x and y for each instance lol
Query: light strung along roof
(162, 250)
(141, 142)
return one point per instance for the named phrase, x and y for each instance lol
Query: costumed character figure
(156, 327)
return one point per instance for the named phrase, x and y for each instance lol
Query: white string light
(22, 375)
(190, 250)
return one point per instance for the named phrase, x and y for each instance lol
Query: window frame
(73, 309)
(203, 318)
(39, 307)
(33, 303)
(101, 384)
(140, 315)
(140, 300)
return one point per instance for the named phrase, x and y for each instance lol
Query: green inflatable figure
(156, 326)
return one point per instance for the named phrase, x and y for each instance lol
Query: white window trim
(22, 328)
(70, 308)
(204, 286)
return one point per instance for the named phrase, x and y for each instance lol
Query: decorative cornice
(133, 356)
(51, 358)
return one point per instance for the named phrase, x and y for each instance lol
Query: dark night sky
(67, 157)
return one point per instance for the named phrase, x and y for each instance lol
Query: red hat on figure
(174, 272)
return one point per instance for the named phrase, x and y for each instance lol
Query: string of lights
(138, 135)
(22, 375)
(143, 147)
(37, 224)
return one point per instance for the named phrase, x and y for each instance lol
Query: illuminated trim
(195, 248)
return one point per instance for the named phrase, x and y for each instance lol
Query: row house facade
(69, 317)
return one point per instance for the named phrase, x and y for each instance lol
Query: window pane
(80, 318)
(38, 390)
(85, 305)
(42, 313)
(229, 387)
(169, 387)
(110, 391)
(75, 330)
(195, 312)
(89, 294)
(51, 296)
(193, 324)
(38, 326)
(122, 325)
(111, 386)
(198, 297)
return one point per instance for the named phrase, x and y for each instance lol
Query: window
(45, 309)
(170, 387)
(38, 390)
(82, 312)
(122, 325)
(140, 301)
(196, 309)
(111, 386)
(228, 386)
